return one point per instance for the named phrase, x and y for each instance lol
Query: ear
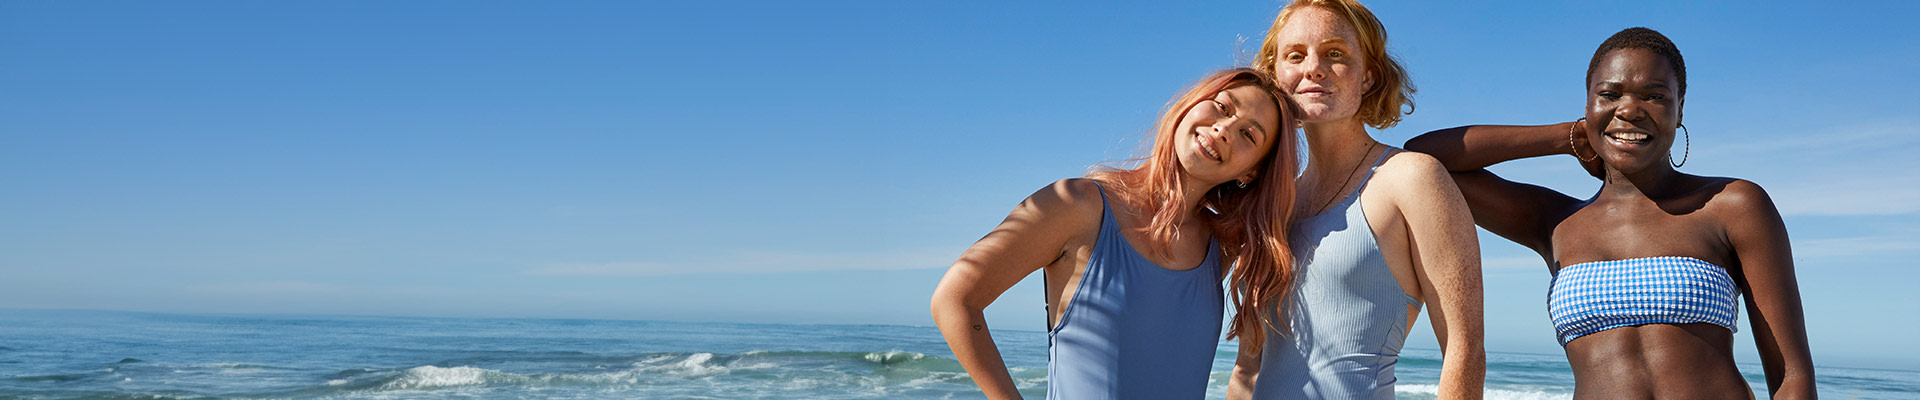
(1366, 82)
(1680, 111)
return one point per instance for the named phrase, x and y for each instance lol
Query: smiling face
(1633, 109)
(1222, 138)
(1320, 63)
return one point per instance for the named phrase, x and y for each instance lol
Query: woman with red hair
(1380, 233)
(1133, 257)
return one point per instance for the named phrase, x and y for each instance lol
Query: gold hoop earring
(1576, 148)
(1684, 153)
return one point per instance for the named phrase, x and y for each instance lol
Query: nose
(1223, 128)
(1630, 110)
(1313, 68)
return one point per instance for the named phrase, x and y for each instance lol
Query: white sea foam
(699, 364)
(1425, 391)
(430, 377)
(894, 356)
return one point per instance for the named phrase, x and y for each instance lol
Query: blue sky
(817, 162)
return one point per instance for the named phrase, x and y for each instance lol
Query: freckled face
(1320, 64)
(1224, 137)
(1632, 109)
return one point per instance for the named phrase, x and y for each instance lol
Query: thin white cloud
(271, 289)
(757, 262)
(1859, 169)
(1878, 246)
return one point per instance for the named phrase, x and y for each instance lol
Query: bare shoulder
(1073, 202)
(1415, 176)
(1740, 195)
(1742, 203)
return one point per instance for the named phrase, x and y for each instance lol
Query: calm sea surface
(118, 355)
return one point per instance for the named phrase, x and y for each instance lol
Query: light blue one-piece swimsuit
(1347, 313)
(1134, 330)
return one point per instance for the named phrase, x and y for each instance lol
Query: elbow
(1421, 144)
(1443, 145)
(946, 306)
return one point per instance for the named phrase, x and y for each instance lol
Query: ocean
(58, 354)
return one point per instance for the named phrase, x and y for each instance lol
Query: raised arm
(1765, 273)
(1446, 263)
(1523, 213)
(1474, 147)
(1034, 235)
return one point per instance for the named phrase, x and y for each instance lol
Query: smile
(1629, 139)
(1205, 146)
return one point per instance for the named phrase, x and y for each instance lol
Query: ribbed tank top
(1134, 330)
(1347, 314)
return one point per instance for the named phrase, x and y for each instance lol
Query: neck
(1336, 144)
(1654, 182)
(1194, 192)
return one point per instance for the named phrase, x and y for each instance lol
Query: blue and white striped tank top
(1347, 314)
(1135, 330)
(1590, 297)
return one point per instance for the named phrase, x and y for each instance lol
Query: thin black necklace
(1343, 186)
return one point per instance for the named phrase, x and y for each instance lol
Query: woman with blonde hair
(1379, 232)
(1133, 257)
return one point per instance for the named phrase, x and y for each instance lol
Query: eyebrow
(1618, 84)
(1236, 107)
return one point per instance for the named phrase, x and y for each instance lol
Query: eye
(1248, 132)
(1336, 54)
(1219, 107)
(1655, 97)
(1609, 95)
(1295, 56)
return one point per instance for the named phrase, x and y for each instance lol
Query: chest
(1603, 230)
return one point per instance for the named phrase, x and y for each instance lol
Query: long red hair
(1250, 223)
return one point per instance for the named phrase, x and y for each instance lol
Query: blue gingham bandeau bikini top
(1591, 297)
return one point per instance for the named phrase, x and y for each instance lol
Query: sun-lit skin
(1420, 222)
(1217, 140)
(1644, 208)
(1633, 112)
(1225, 136)
(1320, 65)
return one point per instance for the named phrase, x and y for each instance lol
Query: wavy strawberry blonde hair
(1250, 223)
(1381, 106)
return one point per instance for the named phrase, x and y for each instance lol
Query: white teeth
(1205, 147)
(1629, 136)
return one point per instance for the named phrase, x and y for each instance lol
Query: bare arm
(1034, 235)
(1446, 262)
(1759, 239)
(1246, 367)
(1474, 147)
(1523, 213)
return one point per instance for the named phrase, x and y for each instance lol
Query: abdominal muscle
(1657, 361)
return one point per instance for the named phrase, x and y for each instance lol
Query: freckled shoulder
(1414, 174)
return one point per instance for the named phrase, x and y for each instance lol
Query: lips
(1629, 139)
(1312, 92)
(1206, 146)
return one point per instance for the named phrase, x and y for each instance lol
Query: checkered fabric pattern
(1597, 296)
